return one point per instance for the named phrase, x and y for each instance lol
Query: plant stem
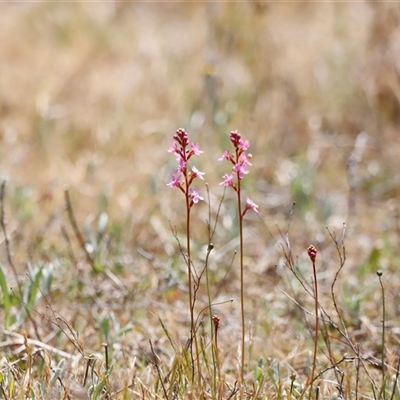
(193, 335)
(216, 320)
(316, 327)
(241, 286)
(379, 273)
(212, 328)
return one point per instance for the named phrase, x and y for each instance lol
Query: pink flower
(197, 173)
(175, 180)
(244, 160)
(196, 149)
(244, 144)
(241, 169)
(225, 156)
(182, 165)
(195, 195)
(228, 180)
(173, 148)
(251, 204)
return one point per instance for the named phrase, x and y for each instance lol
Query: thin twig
(65, 235)
(155, 363)
(334, 366)
(75, 228)
(6, 238)
(342, 258)
(89, 361)
(235, 389)
(327, 339)
(20, 340)
(212, 231)
(3, 392)
(395, 380)
(341, 250)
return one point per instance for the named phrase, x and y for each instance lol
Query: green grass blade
(6, 298)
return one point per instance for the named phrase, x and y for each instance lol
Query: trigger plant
(183, 178)
(240, 161)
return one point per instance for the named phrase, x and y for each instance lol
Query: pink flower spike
(195, 195)
(228, 180)
(252, 205)
(196, 149)
(198, 173)
(225, 156)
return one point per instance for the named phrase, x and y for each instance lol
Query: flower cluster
(181, 177)
(240, 161)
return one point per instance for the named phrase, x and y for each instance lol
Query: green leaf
(57, 370)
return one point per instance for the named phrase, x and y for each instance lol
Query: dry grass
(91, 94)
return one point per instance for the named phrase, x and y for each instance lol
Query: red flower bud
(312, 252)
(216, 321)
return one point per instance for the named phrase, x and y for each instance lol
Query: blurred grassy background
(91, 94)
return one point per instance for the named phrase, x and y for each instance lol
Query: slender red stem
(193, 335)
(316, 327)
(241, 283)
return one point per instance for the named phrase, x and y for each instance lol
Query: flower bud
(312, 252)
